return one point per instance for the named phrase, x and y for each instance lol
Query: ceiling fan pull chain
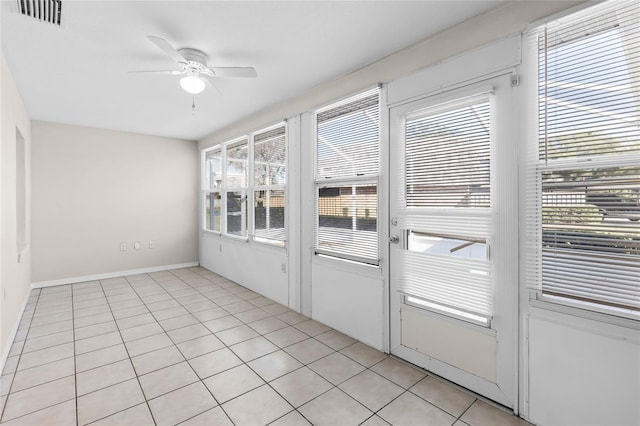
(193, 105)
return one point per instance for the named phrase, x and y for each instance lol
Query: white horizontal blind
(447, 157)
(447, 207)
(348, 137)
(347, 169)
(588, 158)
(347, 221)
(462, 284)
(269, 190)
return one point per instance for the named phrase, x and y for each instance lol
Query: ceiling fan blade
(237, 72)
(170, 72)
(209, 80)
(167, 48)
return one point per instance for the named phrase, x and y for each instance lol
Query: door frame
(505, 205)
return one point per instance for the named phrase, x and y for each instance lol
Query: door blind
(447, 209)
(447, 157)
(587, 188)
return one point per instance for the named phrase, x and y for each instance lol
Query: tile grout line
(15, 372)
(243, 363)
(128, 357)
(175, 345)
(174, 288)
(202, 380)
(75, 372)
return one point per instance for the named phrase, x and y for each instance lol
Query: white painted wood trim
(14, 331)
(72, 280)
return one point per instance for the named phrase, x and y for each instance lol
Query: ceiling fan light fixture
(192, 84)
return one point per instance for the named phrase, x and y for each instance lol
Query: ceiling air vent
(43, 10)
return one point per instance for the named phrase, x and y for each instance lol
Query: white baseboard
(12, 335)
(104, 276)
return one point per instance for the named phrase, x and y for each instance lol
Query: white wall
(259, 267)
(15, 276)
(94, 189)
(349, 298)
(582, 372)
(573, 370)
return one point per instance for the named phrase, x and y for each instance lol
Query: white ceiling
(77, 74)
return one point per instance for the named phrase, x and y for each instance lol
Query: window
(213, 185)
(235, 182)
(270, 179)
(347, 169)
(585, 169)
(447, 197)
(236, 177)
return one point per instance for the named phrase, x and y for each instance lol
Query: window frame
(249, 189)
(455, 101)
(341, 181)
(270, 187)
(207, 190)
(535, 166)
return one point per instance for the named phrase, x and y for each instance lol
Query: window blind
(585, 192)
(348, 137)
(348, 222)
(347, 169)
(447, 157)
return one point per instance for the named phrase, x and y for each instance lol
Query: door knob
(394, 239)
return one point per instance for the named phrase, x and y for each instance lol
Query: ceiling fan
(192, 64)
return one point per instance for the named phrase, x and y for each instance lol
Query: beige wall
(94, 189)
(14, 275)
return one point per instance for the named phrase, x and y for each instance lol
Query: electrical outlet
(152, 244)
(136, 245)
(123, 246)
(284, 268)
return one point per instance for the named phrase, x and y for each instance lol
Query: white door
(453, 226)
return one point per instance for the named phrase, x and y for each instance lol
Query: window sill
(579, 310)
(364, 269)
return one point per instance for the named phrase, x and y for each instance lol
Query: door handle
(394, 239)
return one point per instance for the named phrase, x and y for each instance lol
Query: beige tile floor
(190, 347)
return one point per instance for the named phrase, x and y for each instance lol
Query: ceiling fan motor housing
(196, 59)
